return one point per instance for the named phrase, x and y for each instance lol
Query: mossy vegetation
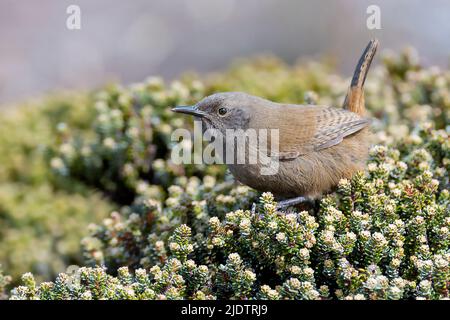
(191, 232)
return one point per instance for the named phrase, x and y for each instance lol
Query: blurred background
(130, 40)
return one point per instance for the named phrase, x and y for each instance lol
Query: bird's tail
(354, 101)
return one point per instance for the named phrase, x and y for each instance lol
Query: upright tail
(354, 101)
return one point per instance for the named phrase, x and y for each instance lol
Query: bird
(318, 145)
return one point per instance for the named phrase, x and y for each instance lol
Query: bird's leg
(292, 202)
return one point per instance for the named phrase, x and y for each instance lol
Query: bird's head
(227, 110)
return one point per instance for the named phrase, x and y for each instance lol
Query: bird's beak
(191, 110)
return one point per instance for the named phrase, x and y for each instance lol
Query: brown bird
(318, 145)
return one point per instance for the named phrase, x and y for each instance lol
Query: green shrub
(382, 235)
(4, 282)
(192, 233)
(41, 222)
(41, 228)
(129, 148)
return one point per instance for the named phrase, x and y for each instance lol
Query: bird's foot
(292, 202)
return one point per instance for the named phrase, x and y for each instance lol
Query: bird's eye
(222, 111)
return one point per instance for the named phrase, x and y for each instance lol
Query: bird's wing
(333, 125)
(316, 129)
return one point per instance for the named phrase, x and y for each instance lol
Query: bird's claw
(292, 202)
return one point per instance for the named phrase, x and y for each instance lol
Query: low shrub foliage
(191, 232)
